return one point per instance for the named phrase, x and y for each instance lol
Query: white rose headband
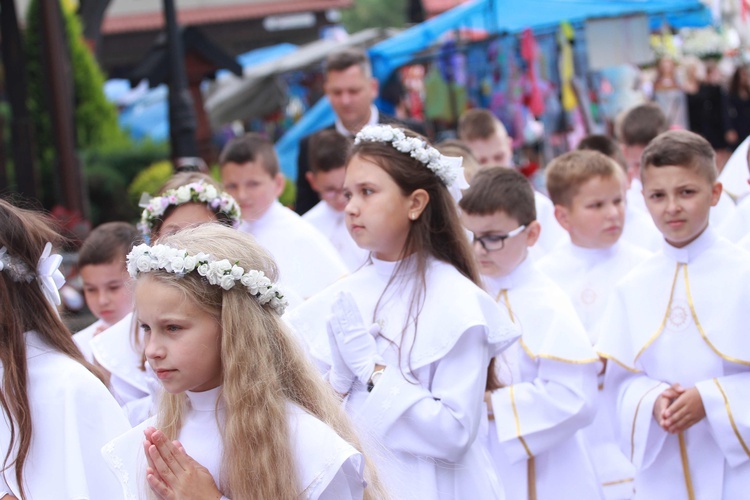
(447, 168)
(143, 259)
(47, 273)
(197, 192)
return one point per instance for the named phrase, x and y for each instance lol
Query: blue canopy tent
(495, 17)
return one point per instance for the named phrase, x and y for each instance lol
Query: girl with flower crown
(57, 412)
(187, 199)
(408, 338)
(243, 414)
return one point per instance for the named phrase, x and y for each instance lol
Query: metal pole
(182, 123)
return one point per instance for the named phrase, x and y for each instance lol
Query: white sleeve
(440, 421)
(533, 417)
(640, 436)
(727, 404)
(347, 484)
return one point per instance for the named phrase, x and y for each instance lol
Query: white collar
(386, 268)
(692, 250)
(253, 225)
(594, 255)
(515, 278)
(374, 120)
(205, 400)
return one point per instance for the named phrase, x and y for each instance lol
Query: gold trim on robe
(666, 315)
(686, 467)
(731, 418)
(635, 419)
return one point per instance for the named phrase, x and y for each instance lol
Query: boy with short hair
(676, 337)
(639, 229)
(542, 393)
(588, 190)
(101, 264)
(490, 144)
(250, 173)
(328, 153)
(637, 128)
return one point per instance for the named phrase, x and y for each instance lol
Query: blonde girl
(56, 411)
(408, 338)
(186, 199)
(244, 415)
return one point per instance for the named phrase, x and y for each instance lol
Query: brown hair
(605, 145)
(479, 124)
(499, 189)
(248, 148)
(568, 172)
(24, 234)
(263, 370)
(681, 148)
(181, 179)
(328, 151)
(110, 242)
(457, 147)
(436, 233)
(639, 125)
(344, 59)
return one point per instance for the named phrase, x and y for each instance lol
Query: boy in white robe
(737, 226)
(328, 151)
(101, 264)
(588, 190)
(490, 144)
(639, 126)
(250, 173)
(676, 338)
(538, 410)
(639, 229)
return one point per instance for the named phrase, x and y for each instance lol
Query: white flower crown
(198, 192)
(447, 168)
(144, 258)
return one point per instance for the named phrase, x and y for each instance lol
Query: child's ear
(716, 190)
(561, 214)
(279, 183)
(418, 200)
(311, 180)
(532, 233)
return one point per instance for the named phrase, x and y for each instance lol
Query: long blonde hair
(263, 369)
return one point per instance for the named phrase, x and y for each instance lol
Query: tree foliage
(95, 117)
(375, 14)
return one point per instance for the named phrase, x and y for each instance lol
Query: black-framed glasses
(495, 242)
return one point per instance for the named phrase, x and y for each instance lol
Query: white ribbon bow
(49, 276)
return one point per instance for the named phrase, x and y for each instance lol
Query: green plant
(150, 180)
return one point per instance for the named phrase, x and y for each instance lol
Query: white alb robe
(132, 381)
(552, 233)
(737, 225)
(332, 225)
(589, 277)
(681, 318)
(73, 416)
(327, 467)
(427, 407)
(549, 393)
(83, 339)
(307, 261)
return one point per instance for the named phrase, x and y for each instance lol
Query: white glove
(340, 376)
(355, 342)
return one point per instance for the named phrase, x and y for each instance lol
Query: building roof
(150, 21)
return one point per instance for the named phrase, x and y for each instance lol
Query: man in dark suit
(351, 89)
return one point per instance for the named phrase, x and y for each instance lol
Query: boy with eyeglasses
(588, 189)
(328, 152)
(543, 390)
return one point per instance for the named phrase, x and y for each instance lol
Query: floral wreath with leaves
(223, 273)
(196, 192)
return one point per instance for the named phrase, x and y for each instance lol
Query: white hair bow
(49, 276)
